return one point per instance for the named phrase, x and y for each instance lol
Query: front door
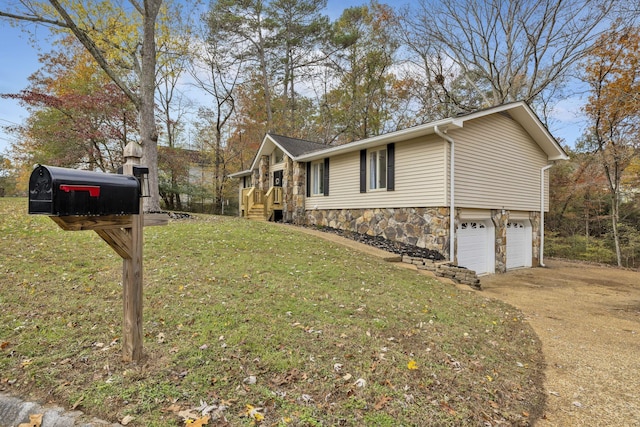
(277, 179)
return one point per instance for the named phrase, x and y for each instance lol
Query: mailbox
(58, 191)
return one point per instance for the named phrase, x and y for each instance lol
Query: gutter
(542, 194)
(452, 216)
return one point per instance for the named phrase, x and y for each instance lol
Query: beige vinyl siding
(419, 179)
(497, 165)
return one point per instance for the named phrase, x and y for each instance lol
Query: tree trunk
(148, 132)
(615, 204)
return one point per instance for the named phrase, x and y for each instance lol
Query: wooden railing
(271, 200)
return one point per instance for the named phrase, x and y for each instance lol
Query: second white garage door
(476, 246)
(518, 244)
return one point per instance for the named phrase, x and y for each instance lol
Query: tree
(505, 50)
(216, 70)
(7, 178)
(578, 197)
(364, 46)
(78, 116)
(174, 59)
(242, 25)
(614, 110)
(120, 46)
(299, 29)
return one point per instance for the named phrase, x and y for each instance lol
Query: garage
(476, 246)
(518, 244)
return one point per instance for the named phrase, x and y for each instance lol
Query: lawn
(265, 324)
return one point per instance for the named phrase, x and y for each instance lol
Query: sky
(19, 59)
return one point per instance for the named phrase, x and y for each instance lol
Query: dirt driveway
(588, 319)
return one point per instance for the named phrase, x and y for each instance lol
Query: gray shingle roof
(297, 147)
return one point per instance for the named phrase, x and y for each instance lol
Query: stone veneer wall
(287, 190)
(500, 221)
(534, 217)
(423, 227)
(299, 192)
(263, 174)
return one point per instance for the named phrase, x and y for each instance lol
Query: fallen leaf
(361, 382)
(198, 422)
(126, 420)
(447, 408)
(306, 398)
(254, 413)
(4, 345)
(175, 408)
(382, 402)
(412, 365)
(205, 408)
(188, 415)
(35, 420)
(77, 403)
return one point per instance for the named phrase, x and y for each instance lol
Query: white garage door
(476, 246)
(518, 244)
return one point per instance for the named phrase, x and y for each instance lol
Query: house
(473, 187)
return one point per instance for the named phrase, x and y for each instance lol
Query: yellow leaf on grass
(254, 413)
(199, 422)
(412, 365)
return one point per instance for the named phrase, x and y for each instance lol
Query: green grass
(226, 300)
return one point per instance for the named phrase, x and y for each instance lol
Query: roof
(519, 111)
(292, 147)
(304, 151)
(296, 147)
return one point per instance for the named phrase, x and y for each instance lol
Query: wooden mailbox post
(124, 233)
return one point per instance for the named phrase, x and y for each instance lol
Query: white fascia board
(267, 139)
(262, 147)
(397, 136)
(240, 174)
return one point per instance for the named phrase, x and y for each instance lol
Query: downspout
(542, 193)
(452, 215)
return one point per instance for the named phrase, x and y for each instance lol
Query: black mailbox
(57, 191)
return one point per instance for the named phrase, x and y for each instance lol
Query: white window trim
(317, 182)
(382, 172)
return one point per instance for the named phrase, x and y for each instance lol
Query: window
(377, 169)
(317, 178)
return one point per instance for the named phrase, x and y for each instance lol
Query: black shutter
(326, 177)
(308, 179)
(391, 167)
(363, 171)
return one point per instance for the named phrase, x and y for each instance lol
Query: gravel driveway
(588, 319)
